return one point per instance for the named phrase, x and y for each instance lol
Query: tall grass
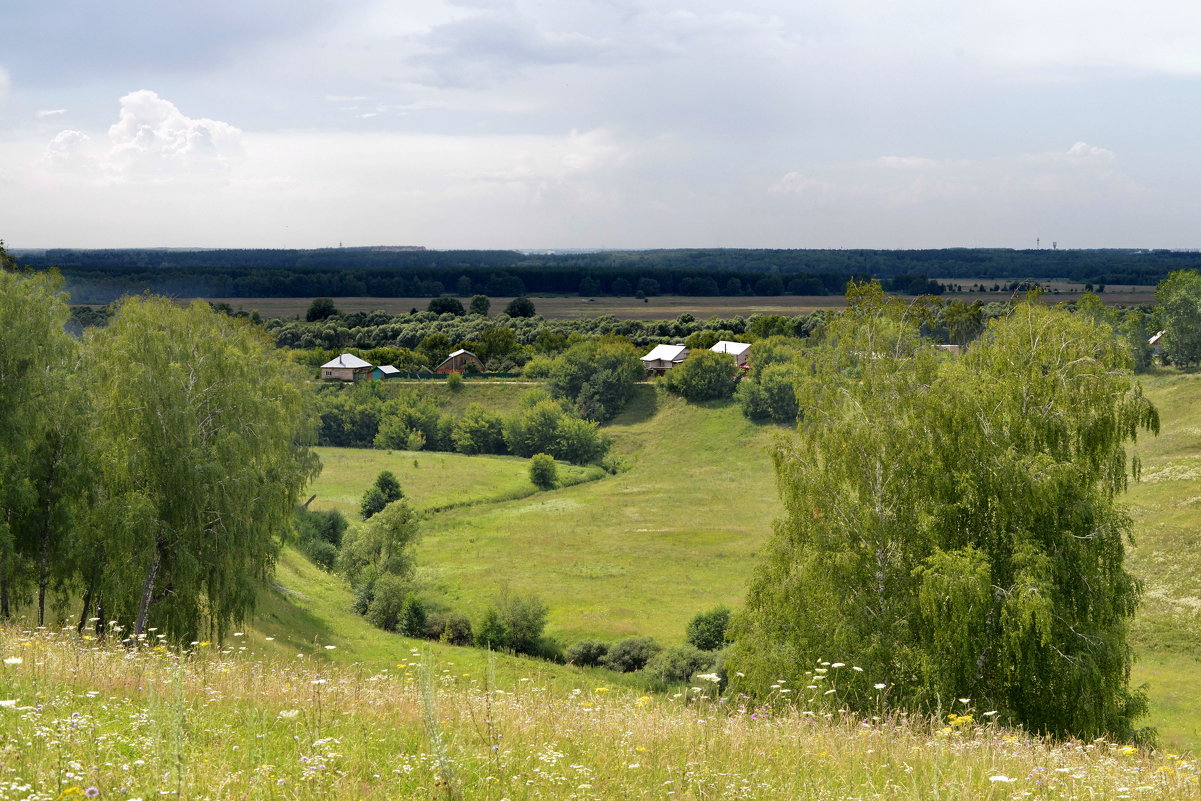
(82, 718)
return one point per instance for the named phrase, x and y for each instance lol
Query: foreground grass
(89, 719)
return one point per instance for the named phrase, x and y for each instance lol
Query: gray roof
(666, 353)
(388, 369)
(732, 348)
(347, 360)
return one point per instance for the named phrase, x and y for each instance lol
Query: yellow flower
(602, 689)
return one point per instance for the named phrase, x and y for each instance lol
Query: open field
(668, 307)
(88, 720)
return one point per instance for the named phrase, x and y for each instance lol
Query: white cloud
(5, 83)
(154, 139)
(53, 112)
(1087, 151)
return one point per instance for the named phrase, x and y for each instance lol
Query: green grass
(430, 480)
(679, 531)
(82, 719)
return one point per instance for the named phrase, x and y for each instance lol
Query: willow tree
(951, 524)
(35, 352)
(203, 432)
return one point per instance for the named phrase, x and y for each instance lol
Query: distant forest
(99, 276)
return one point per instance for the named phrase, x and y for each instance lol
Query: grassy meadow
(94, 720)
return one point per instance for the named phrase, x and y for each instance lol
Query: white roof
(388, 369)
(666, 353)
(732, 348)
(347, 360)
(1155, 339)
(460, 352)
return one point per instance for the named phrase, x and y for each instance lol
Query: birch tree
(204, 433)
(951, 524)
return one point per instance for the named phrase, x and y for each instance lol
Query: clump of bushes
(703, 376)
(384, 491)
(707, 630)
(587, 653)
(319, 535)
(631, 654)
(679, 663)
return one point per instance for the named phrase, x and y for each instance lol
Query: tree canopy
(951, 524)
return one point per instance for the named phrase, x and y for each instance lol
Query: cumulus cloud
(154, 138)
(1086, 151)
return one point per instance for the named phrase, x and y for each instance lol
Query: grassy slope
(642, 551)
(636, 553)
(1165, 507)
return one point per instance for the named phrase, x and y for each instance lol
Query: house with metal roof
(664, 357)
(384, 371)
(346, 367)
(460, 361)
(741, 351)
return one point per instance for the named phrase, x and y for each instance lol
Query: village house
(458, 362)
(664, 357)
(346, 367)
(384, 371)
(741, 351)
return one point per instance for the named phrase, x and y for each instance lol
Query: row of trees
(147, 472)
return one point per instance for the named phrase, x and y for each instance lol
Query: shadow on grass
(642, 406)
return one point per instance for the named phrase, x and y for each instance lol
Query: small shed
(384, 371)
(664, 357)
(346, 367)
(458, 361)
(741, 351)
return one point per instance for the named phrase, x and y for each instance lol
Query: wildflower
(289, 713)
(881, 686)
(713, 677)
(856, 668)
(330, 647)
(13, 660)
(1001, 778)
(91, 792)
(602, 689)
(9, 703)
(838, 665)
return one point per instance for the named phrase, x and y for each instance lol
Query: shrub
(388, 486)
(707, 630)
(543, 472)
(587, 653)
(679, 663)
(631, 654)
(479, 305)
(373, 501)
(411, 621)
(597, 376)
(478, 431)
(704, 375)
(770, 395)
(319, 552)
(452, 628)
(319, 309)
(491, 632)
(390, 595)
(454, 382)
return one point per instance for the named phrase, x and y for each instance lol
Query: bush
(543, 472)
(454, 382)
(520, 307)
(515, 623)
(491, 633)
(373, 502)
(452, 628)
(707, 630)
(631, 654)
(319, 309)
(587, 653)
(319, 552)
(679, 663)
(479, 305)
(704, 375)
(411, 621)
(478, 431)
(771, 395)
(390, 595)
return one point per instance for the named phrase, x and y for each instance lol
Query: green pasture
(678, 532)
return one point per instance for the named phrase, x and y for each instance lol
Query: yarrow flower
(13, 660)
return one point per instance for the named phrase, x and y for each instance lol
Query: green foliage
(587, 653)
(1179, 299)
(479, 305)
(543, 472)
(515, 623)
(679, 663)
(520, 307)
(452, 628)
(390, 597)
(454, 382)
(383, 544)
(384, 491)
(320, 309)
(446, 304)
(548, 427)
(703, 376)
(707, 630)
(478, 431)
(388, 486)
(373, 501)
(598, 376)
(412, 619)
(769, 394)
(630, 654)
(951, 523)
(202, 428)
(319, 534)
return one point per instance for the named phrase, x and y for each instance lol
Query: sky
(600, 124)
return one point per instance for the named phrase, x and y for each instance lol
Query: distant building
(458, 362)
(1156, 342)
(664, 357)
(384, 371)
(346, 367)
(741, 351)
(954, 350)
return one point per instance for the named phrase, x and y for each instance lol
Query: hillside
(677, 533)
